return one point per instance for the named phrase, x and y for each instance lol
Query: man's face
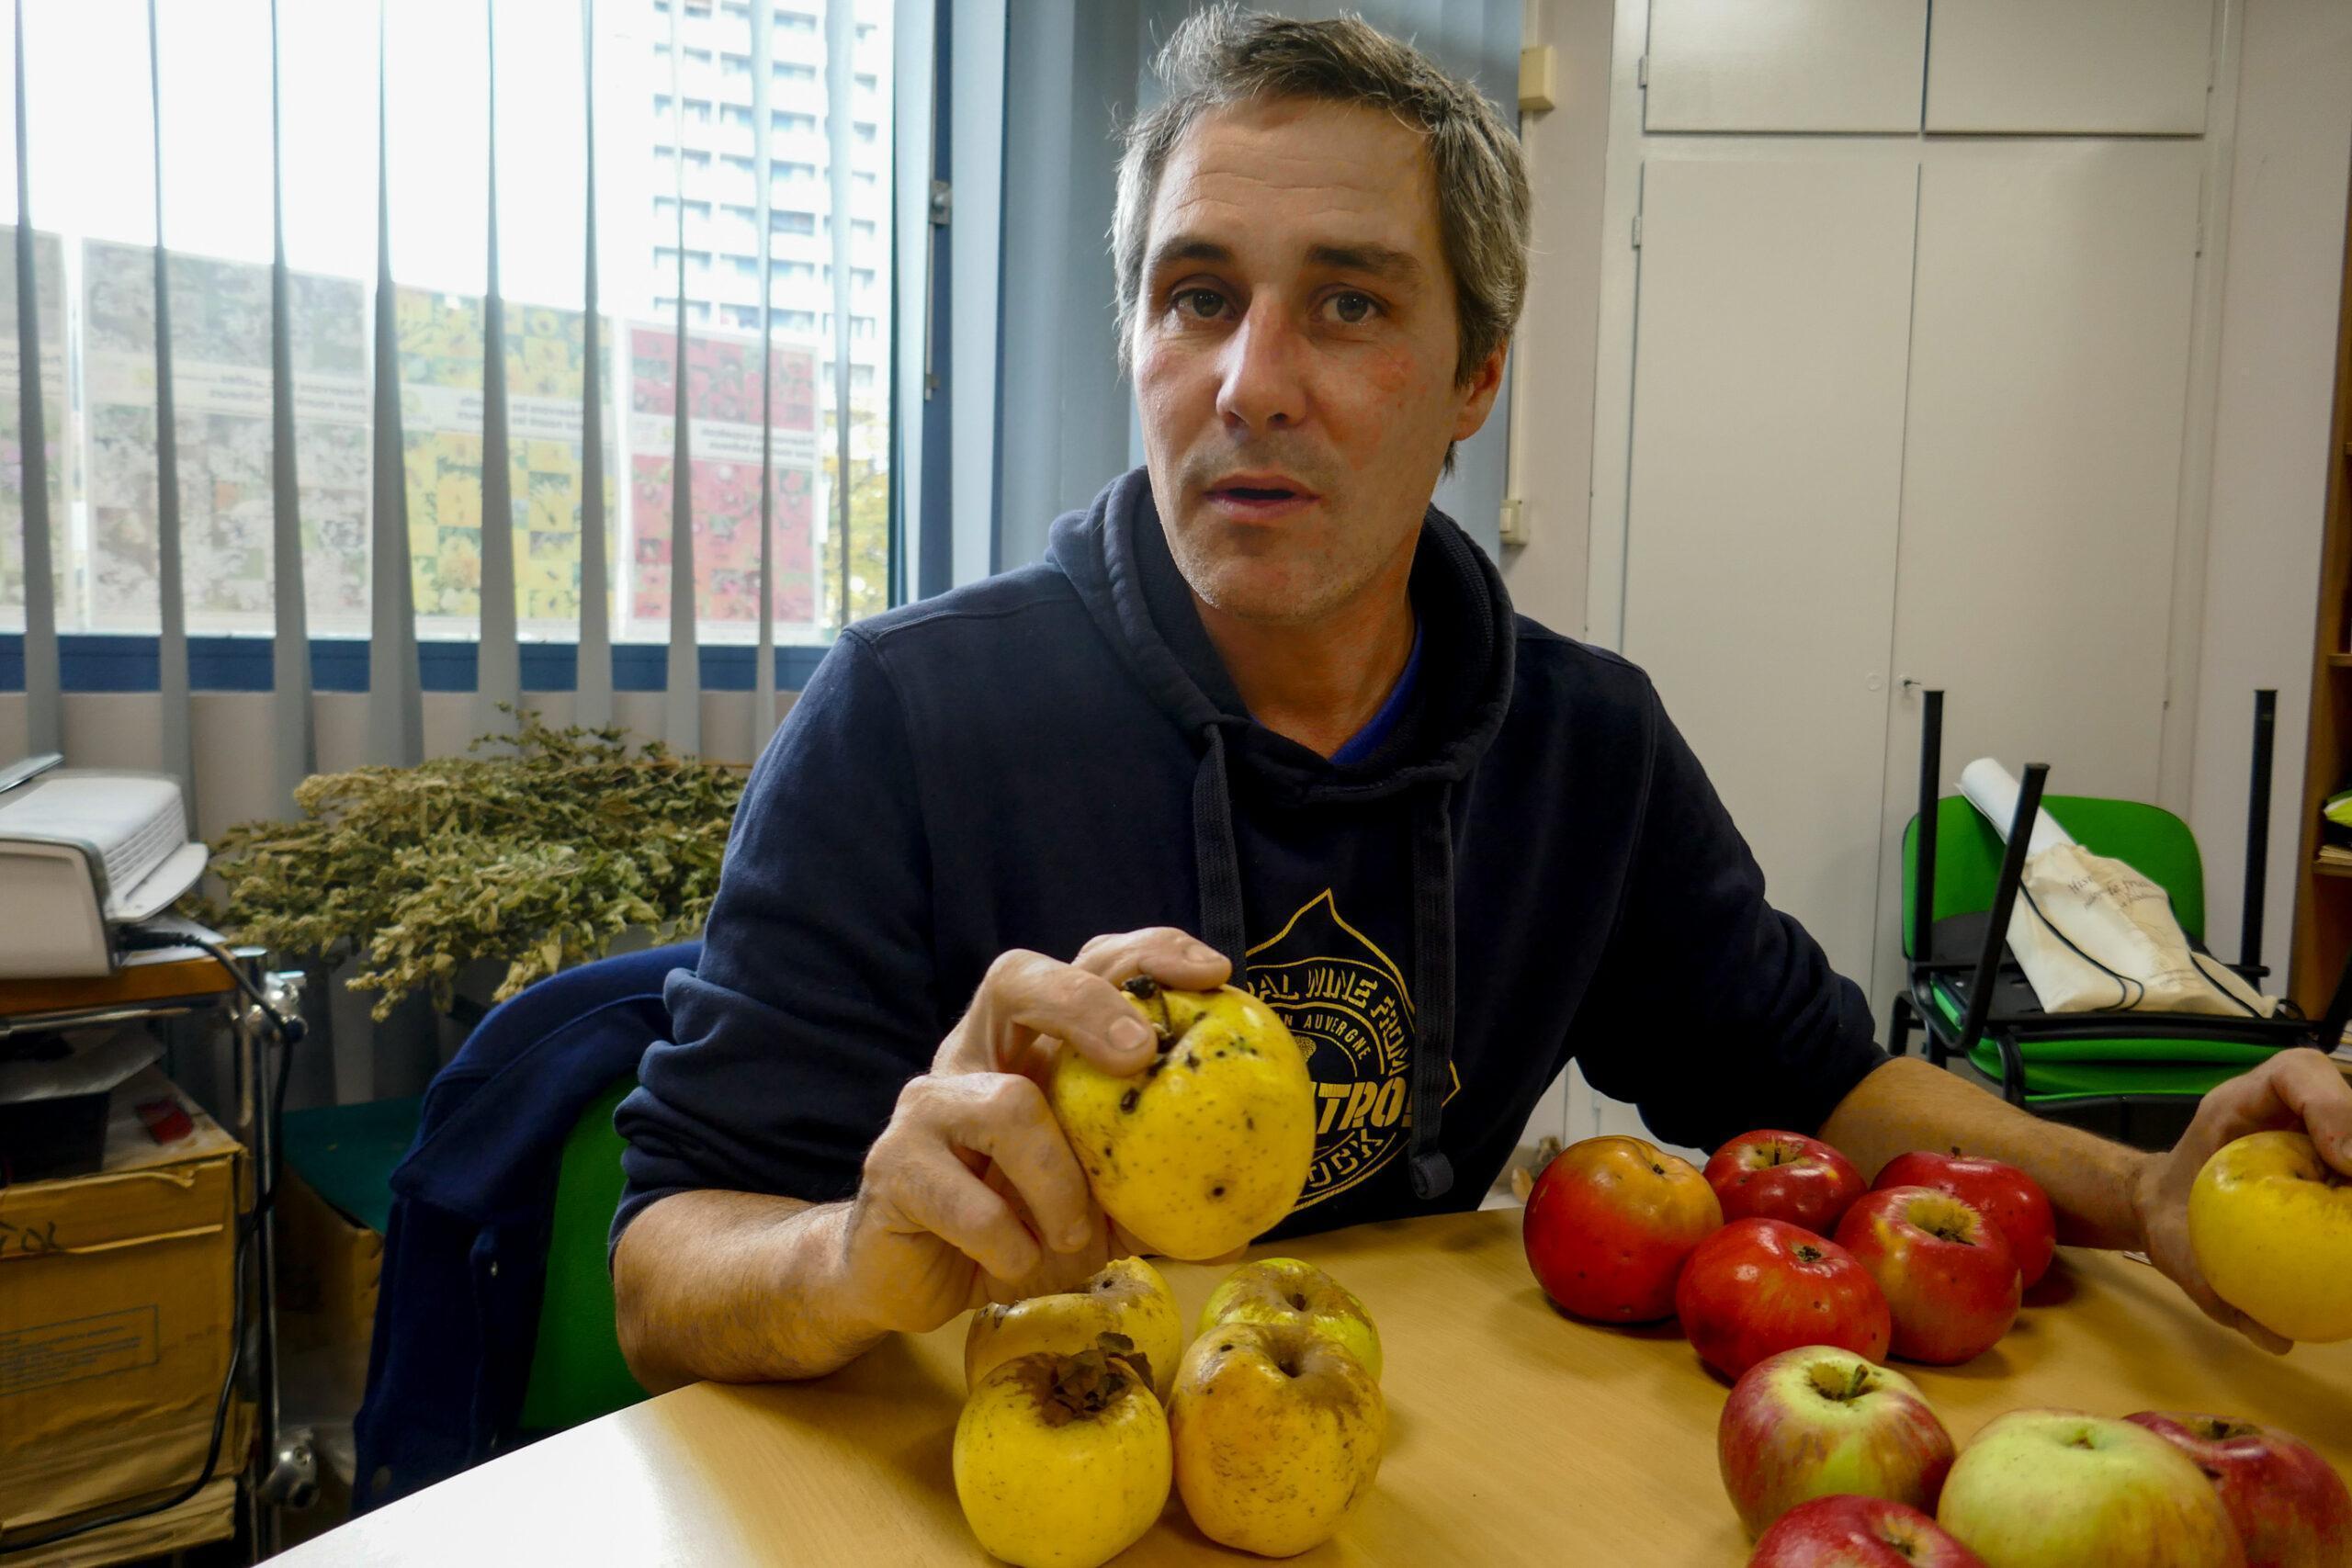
(1295, 352)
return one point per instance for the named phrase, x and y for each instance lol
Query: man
(1270, 716)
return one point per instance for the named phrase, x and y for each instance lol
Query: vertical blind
(196, 446)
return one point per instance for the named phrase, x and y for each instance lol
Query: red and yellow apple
(2291, 1508)
(2054, 1489)
(1819, 1421)
(1759, 1287)
(1607, 1226)
(1062, 1462)
(1278, 1431)
(1859, 1532)
(1950, 1277)
(2013, 1200)
(2271, 1225)
(1784, 1176)
(1126, 1296)
(1285, 1289)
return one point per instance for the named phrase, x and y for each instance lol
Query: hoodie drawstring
(1433, 986)
(1217, 857)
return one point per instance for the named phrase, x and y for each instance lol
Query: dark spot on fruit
(1218, 1190)
(1190, 1060)
(1249, 1122)
(1142, 985)
(1127, 1102)
(1298, 1301)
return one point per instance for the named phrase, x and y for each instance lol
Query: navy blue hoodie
(1531, 867)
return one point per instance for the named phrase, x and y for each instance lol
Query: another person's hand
(971, 1193)
(2294, 1090)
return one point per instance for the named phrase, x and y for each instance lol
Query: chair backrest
(577, 1372)
(2149, 838)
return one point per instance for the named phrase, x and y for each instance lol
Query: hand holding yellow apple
(2271, 1225)
(1208, 1146)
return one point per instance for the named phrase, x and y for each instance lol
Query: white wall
(2281, 293)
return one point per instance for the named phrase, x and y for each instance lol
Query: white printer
(82, 851)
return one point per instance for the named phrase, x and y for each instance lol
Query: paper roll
(1993, 790)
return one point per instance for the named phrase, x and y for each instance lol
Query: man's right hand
(971, 1194)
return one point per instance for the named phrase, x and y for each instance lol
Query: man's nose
(1263, 386)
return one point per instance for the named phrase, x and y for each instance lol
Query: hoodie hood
(1116, 556)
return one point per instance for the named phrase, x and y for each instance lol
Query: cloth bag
(2091, 933)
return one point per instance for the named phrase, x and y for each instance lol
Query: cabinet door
(2042, 475)
(2083, 67)
(1767, 473)
(1851, 65)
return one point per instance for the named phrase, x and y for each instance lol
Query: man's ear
(1485, 385)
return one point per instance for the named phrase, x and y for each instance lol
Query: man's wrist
(838, 1307)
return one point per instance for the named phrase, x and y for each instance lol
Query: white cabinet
(2041, 486)
(2080, 67)
(1767, 476)
(1905, 412)
(1809, 65)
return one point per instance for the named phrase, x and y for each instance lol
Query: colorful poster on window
(49, 264)
(221, 384)
(723, 482)
(441, 366)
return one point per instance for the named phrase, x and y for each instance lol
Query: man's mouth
(1257, 497)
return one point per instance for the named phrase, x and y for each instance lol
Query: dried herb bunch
(535, 850)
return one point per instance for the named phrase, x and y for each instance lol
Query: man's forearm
(736, 1287)
(1908, 1104)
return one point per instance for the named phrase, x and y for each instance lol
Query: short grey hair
(1221, 56)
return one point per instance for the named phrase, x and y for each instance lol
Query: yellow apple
(2054, 1489)
(1126, 1296)
(1285, 1289)
(1062, 1462)
(2272, 1224)
(1208, 1146)
(1277, 1433)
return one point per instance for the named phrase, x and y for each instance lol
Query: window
(94, 254)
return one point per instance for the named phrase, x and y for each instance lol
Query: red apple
(1950, 1277)
(2291, 1509)
(1609, 1223)
(2002, 1193)
(1817, 1422)
(1784, 1176)
(1859, 1532)
(1759, 1287)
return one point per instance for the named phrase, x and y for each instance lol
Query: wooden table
(1515, 1435)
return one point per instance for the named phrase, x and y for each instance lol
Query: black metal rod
(1923, 875)
(2257, 828)
(2004, 898)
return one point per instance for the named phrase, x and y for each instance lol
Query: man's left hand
(2302, 1091)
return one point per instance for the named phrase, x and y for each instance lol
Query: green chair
(2133, 1076)
(577, 1373)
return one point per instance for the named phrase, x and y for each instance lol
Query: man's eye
(1201, 304)
(1353, 309)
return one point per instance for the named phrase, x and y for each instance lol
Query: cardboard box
(210, 1515)
(328, 1265)
(115, 1305)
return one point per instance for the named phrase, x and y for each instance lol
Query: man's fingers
(1028, 994)
(2308, 1085)
(1170, 956)
(937, 1192)
(1005, 1117)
